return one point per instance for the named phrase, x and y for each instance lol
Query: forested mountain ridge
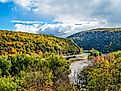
(103, 39)
(26, 43)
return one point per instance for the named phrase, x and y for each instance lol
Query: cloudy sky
(59, 17)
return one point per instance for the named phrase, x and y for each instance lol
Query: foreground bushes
(22, 72)
(105, 75)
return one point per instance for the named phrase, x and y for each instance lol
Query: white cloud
(26, 22)
(75, 9)
(59, 29)
(4, 1)
(73, 15)
(27, 28)
(64, 30)
(27, 4)
(24, 3)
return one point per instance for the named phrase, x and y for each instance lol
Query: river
(76, 67)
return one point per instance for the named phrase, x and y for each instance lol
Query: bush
(95, 53)
(23, 72)
(104, 76)
(8, 84)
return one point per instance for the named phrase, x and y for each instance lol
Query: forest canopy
(26, 43)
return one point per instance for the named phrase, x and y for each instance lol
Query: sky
(59, 17)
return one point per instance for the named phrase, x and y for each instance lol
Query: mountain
(26, 43)
(103, 39)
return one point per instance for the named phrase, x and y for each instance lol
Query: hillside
(30, 62)
(103, 39)
(26, 43)
(103, 75)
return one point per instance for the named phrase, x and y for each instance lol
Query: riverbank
(77, 65)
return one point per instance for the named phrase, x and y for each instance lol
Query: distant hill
(26, 43)
(103, 39)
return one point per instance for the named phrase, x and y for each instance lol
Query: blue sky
(9, 11)
(58, 17)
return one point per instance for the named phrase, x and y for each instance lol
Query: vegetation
(94, 53)
(104, 75)
(31, 62)
(31, 44)
(105, 40)
(107, 29)
(22, 72)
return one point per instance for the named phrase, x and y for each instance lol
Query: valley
(60, 45)
(36, 62)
